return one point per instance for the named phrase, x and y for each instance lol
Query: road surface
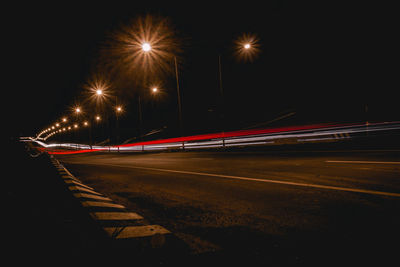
(279, 208)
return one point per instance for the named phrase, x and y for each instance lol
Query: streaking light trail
(283, 135)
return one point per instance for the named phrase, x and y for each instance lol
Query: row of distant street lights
(62, 127)
(247, 48)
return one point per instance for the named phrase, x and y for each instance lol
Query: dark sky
(323, 62)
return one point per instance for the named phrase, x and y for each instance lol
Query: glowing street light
(247, 47)
(97, 89)
(78, 110)
(98, 118)
(64, 119)
(146, 47)
(118, 111)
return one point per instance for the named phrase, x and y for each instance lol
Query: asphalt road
(278, 208)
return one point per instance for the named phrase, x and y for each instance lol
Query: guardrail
(260, 137)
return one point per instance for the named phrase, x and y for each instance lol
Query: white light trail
(333, 133)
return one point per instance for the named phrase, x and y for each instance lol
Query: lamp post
(147, 49)
(222, 97)
(179, 101)
(99, 87)
(118, 111)
(89, 125)
(246, 49)
(78, 112)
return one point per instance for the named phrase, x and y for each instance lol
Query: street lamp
(118, 110)
(146, 47)
(247, 47)
(97, 89)
(179, 100)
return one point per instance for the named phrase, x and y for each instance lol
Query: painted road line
(65, 176)
(101, 204)
(80, 188)
(362, 162)
(76, 182)
(70, 181)
(338, 188)
(135, 231)
(68, 172)
(83, 195)
(103, 216)
(91, 199)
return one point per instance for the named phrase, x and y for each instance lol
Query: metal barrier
(261, 137)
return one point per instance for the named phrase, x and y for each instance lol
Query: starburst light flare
(143, 48)
(247, 47)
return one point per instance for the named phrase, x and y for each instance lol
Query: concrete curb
(116, 221)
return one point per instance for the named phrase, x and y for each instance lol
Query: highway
(277, 207)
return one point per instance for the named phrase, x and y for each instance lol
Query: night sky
(318, 63)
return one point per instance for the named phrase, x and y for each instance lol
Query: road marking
(363, 162)
(70, 181)
(116, 232)
(83, 195)
(101, 204)
(69, 177)
(116, 216)
(135, 231)
(80, 188)
(338, 188)
(202, 158)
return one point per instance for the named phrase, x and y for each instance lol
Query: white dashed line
(101, 204)
(338, 188)
(116, 216)
(135, 231)
(362, 162)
